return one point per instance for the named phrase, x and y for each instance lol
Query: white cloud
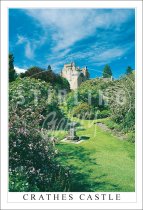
(68, 26)
(19, 70)
(29, 51)
(29, 46)
(21, 39)
(63, 28)
(110, 54)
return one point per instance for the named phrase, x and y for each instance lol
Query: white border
(4, 106)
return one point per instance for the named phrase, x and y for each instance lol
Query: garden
(42, 159)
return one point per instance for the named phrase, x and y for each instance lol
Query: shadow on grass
(84, 137)
(80, 182)
(74, 153)
(81, 167)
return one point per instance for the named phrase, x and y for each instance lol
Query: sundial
(72, 131)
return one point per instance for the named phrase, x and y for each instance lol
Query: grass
(100, 163)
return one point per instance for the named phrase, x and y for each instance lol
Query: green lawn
(101, 163)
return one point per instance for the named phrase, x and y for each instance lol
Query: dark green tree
(48, 76)
(107, 72)
(12, 74)
(49, 68)
(33, 72)
(129, 70)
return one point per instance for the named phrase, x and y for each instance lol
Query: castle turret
(85, 72)
(74, 75)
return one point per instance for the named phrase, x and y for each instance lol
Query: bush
(123, 109)
(118, 101)
(83, 111)
(26, 147)
(103, 114)
(31, 152)
(131, 137)
(129, 121)
(112, 125)
(89, 92)
(33, 98)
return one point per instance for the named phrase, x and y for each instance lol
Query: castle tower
(85, 72)
(74, 75)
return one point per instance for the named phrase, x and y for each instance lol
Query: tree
(129, 70)
(107, 72)
(33, 72)
(12, 74)
(48, 76)
(49, 68)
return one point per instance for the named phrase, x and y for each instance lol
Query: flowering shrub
(32, 166)
(122, 102)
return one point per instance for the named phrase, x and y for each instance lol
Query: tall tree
(12, 74)
(49, 68)
(129, 70)
(107, 72)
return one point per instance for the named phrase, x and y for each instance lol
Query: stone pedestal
(72, 133)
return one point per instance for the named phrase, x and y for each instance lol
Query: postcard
(71, 99)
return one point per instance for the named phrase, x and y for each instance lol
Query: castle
(74, 75)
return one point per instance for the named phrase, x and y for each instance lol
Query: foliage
(129, 70)
(37, 96)
(112, 124)
(115, 99)
(49, 68)
(90, 92)
(26, 148)
(48, 76)
(107, 72)
(131, 137)
(29, 106)
(33, 72)
(103, 114)
(83, 111)
(12, 73)
(122, 102)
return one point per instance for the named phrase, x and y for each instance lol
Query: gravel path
(118, 134)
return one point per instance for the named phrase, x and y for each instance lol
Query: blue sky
(89, 37)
